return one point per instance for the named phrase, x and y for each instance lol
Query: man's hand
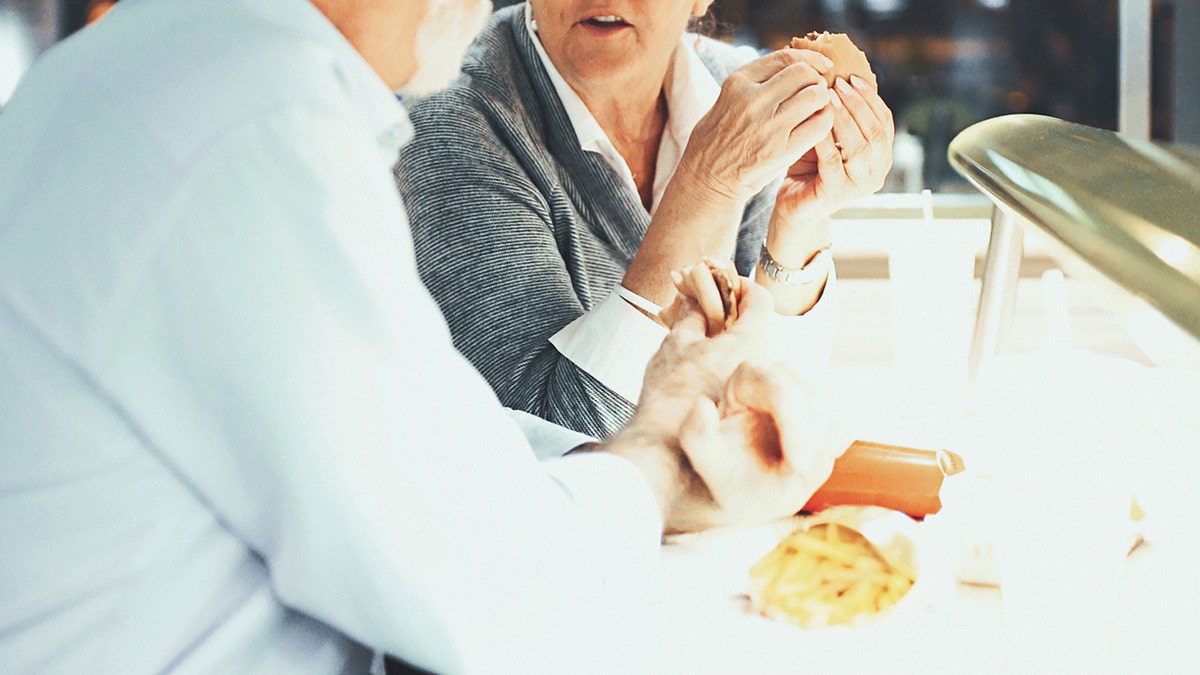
(761, 452)
(722, 442)
(686, 367)
(689, 364)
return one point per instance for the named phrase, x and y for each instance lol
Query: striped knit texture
(518, 231)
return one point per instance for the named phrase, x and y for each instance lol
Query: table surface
(944, 625)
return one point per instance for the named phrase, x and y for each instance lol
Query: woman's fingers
(764, 68)
(803, 103)
(791, 80)
(867, 109)
(760, 70)
(849, 135)
(827, 152)
(881, 112)
(863, 102)
(777, 108)
(830, 166)
(708, 296)
(865, 130)
(756, 306)
(809, 132)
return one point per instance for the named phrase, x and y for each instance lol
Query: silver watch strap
(815, 269)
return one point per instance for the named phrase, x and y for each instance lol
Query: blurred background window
(27, 27)
(942, 64)
(945, 64)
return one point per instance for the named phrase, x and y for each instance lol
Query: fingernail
(828, 62)
(835, 99)
(817, 87)
(844, 85)
(676, 277)
(858, 82)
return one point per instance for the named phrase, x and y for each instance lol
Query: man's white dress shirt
(234, 434)
(614, 341)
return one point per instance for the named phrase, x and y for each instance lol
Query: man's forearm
(661, 464)
(685, 501)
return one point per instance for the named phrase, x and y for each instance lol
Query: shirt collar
(383, 113)
(587, 129)
(690, 89)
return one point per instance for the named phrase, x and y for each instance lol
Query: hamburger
(847, 58)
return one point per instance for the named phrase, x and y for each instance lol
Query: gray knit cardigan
(518, 231)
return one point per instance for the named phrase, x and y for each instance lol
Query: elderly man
(234, 434)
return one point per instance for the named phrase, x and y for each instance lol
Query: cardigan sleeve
(487, 250)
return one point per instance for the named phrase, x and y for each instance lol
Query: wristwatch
(815, 269)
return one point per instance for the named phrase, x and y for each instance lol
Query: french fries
(827, 574)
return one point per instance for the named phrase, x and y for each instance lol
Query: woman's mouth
(605, 23)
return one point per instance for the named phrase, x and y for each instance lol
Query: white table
(946, 626)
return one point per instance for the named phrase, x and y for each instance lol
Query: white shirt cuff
(548, 440)
(613, 343)
(613, 502)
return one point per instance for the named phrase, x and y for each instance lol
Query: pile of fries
(827, 574)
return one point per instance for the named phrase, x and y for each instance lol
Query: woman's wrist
(693, 221)
(795, 245)
(794, 242)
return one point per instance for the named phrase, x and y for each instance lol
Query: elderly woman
(589, 149)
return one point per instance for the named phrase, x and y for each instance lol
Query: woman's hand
(842, 167)
(848, 164)
(768, 113)
(715, 286)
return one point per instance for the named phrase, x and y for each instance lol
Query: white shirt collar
(376, 101)
(690, 90)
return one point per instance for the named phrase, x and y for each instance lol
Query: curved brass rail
(1130, 209)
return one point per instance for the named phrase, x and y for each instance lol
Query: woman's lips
(604, 24)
